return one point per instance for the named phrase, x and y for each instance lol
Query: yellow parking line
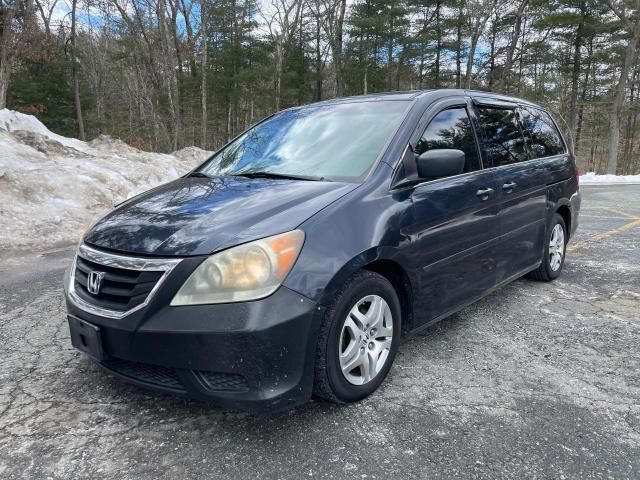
(603, 217)
(618, 212)
(602, 235)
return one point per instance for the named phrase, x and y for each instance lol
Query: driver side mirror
(440, 163)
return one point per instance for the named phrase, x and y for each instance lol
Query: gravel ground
(535, 381)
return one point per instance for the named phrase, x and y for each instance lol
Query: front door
(455, 221)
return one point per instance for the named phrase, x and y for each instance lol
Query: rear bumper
(575, 202)
(254, 356)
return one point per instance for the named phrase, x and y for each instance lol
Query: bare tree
(282, 24)
(513, 43)
(46, 9)
(74, 69)
(478, 11)
(330, 14)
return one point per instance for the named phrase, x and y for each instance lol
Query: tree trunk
(575, 75)
(472, 53)
(438, 46)
(278, 73)
(4, 81)
(459, 47)
(170, 76)
(492, 57)
(616, 110)
(337, 49)
(203, 61)
(7, 36)
(628, 138)
(390, 56)
(365, 85)
(583, 95)
(76, 79)
(318, 60)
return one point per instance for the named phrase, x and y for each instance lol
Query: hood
(198, 216)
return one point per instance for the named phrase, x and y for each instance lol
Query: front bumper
(255, 356)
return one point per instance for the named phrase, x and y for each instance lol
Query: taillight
(577, 176)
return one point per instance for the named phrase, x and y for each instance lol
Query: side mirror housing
(440, 162)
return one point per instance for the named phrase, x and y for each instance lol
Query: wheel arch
(397, 276)
(374, 260)
(565, 212)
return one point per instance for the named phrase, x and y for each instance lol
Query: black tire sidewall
(372, 285)
(556, 220)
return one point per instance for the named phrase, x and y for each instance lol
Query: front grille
(222, 382)
(121, 289)
(151, 374)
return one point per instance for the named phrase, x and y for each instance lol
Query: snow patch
(591, 178)
(52, 187)
(192, 154)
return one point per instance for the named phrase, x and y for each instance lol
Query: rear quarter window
(541, 134)
(503, 140)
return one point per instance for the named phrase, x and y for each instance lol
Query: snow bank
(53, 187)
(14, 121)
(590, 178)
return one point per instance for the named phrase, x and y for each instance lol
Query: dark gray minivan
(294, 260)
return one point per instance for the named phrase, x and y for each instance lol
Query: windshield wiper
(198, 175)
(278, 175)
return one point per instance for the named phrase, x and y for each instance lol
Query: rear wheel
(358, 339)
(554, 251)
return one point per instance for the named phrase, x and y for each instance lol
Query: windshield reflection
(339, 141)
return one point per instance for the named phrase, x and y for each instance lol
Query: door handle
(485, 193)
(508, 187)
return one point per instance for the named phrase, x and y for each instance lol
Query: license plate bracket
(86, 337)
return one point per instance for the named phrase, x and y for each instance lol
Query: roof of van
(432, 93)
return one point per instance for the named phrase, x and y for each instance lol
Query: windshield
(339, 141)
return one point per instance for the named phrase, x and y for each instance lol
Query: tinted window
(451, 129)
(331, 141)
(543, 139)
(502, 137)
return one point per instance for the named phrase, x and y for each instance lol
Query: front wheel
(554, 251)
(358, 339)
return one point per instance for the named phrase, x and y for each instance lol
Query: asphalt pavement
(538, 380)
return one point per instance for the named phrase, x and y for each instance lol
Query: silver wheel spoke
(353, 329)
(354, 362)
(360, 318)
(350, 352)
(384, 344)
(367, 369)
(386, 328)
(376, 312)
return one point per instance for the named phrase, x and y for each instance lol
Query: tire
(360, 292)
(550, 268)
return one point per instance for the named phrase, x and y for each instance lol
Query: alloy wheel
(365, 340)
(556, 247)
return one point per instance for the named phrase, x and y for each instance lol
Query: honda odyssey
(294, 260)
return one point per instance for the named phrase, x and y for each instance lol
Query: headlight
(246, 272)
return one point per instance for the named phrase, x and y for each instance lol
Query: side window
(503, 140)
(451, 129)
(541, 134)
